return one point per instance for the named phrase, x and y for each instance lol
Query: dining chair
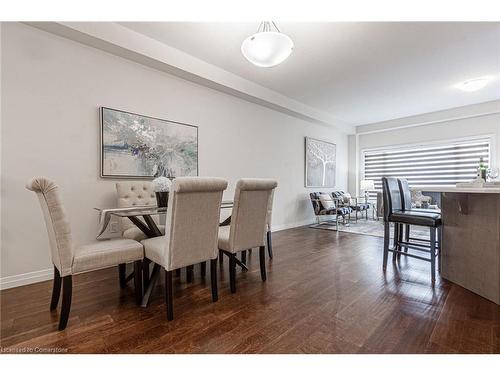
(70, 259)
(268, 224)
(192, 224)
(135, 193)
(248, 226)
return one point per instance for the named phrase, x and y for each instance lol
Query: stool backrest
(405, 193)
(392, 196)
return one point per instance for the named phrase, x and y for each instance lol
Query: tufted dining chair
(70, 259)
(268, 224)
(191, 230)
(135, 193)
(249, 223)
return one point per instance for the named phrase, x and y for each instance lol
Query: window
(439, 165)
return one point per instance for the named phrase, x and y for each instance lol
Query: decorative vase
(162, 198)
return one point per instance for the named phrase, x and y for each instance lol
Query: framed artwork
(320, 162)
(137, 146)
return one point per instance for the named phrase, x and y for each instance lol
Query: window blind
(442, 165)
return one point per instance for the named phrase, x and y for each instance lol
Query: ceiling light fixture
(473, 84)
(268, 47)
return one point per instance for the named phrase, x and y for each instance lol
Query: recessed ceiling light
(473, 84)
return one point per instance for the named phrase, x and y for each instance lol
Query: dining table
(142, 218)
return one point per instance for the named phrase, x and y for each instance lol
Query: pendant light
(268, 47)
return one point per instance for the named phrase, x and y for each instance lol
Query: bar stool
(395, 212)
(404, 188)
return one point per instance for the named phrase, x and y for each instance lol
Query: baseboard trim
(44, 275)
(26, 278)
(277, 228)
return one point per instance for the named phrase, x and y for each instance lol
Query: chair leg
(232, 273)
(221, 258)
(56, 289)
(67, 282)
(433, 254)
(387, 231)
(122, 268)
(244, 256)
(203, 269)
(269, 244)
(440, 241)
(213, 279)
(400, 238)
(189, 274)
(396, 240)
(138, 281)
(407, 236)
(169, 295)
(262, 256)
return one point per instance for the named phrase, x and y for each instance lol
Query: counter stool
(395, 212)
(405, 191)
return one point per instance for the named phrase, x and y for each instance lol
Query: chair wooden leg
(407, 236)
(169, 291)
(232, 273)
(439, 240)
(387, 232)
(203, 269)
(138, 281)
(122, 268)
(56, 289)
(221, 258)
(213, 279)
(262, 258)
(396, 240)
(269, 244)
(433, 254)
(189, 274)
(67, 282)
(244, 256)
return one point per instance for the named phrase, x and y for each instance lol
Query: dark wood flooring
(325, 293)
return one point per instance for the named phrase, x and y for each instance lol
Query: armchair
(336, 208)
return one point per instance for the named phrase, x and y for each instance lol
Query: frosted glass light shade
(266, 49)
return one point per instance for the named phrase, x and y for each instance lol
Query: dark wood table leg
(143, 227)
(152, 226)
(152, 283)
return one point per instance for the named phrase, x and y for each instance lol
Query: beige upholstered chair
(249, 223)
(191, 230)
(135, 193)
(70, 259)
(268, 225)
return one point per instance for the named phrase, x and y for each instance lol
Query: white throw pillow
(327, 201)
(347, 197)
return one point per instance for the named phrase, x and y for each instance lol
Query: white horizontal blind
(443, 165)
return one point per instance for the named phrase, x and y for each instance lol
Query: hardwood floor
(325, 293)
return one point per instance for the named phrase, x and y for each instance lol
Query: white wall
(51, 91)
(462, 122)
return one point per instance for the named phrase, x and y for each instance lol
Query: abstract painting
(320, 163)
(137, 146)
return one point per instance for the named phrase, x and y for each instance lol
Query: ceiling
(358, 72)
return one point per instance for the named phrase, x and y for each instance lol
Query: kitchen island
(471, 238)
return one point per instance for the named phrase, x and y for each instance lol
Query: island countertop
(453, 189)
